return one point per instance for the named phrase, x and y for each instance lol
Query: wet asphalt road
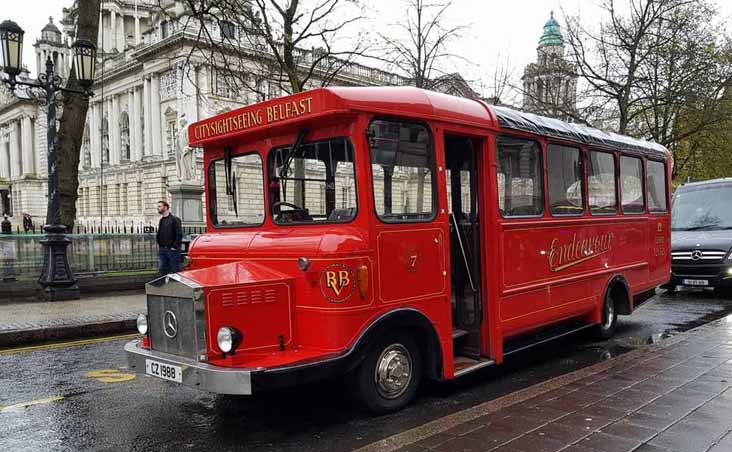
(104, 410)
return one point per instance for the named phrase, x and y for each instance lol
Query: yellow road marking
(31, 403)
(110, 375)
(97, 340)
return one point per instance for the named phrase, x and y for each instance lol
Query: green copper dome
(552, 33)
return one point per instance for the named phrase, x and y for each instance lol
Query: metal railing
(21, 255)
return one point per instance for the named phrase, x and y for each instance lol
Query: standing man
(170, 236)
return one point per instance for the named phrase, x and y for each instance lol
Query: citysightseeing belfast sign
(565, 255)
(247, 118)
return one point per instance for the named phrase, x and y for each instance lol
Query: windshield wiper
(699, 228)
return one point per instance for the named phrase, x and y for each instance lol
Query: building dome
(51, 32)
(552, 33)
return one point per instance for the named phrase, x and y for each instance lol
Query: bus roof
(400, 100)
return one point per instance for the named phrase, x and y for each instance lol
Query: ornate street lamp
(56, 278)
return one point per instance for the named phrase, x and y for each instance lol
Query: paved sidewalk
(672, 396)
(32, 322)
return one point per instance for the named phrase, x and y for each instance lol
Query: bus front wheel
(606, 328)
(388, 378)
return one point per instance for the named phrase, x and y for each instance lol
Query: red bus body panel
(536, 271)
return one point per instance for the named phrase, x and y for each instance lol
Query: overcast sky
(498, 29)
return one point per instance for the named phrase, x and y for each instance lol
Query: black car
(701, 235)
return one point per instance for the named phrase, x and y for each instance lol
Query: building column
(112, 29)
(93, 134)
(147, 116)
(156, 132)
(100, 35)
(138, 36)
(121, 37)
(114, 131)
(136, 118)
(4, 160)
(16, 159)
(132, 123)
(26, 127)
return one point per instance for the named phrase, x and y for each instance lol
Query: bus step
(523, 342)
(457, 333)
(465, 365)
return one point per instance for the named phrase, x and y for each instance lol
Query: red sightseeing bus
(388, 235)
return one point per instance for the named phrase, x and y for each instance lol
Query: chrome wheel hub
(393, 371)
(609, 314)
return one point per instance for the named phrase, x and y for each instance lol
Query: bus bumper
(221, 380)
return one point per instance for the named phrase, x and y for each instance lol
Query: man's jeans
(169, 261)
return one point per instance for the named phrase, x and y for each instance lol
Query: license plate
(695, 282)
(164, 371)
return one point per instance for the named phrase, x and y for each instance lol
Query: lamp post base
(56, 278)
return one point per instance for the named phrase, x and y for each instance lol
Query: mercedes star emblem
(696, 255)
(170, 324)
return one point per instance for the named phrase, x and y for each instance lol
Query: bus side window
(402, 169)
(656, 186)
(631, 184)
(601, 183)
(564, 169)
(519, 176)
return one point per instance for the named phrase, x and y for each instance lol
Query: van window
(702, 207)
(402, 169)
(564, 169)
(656, 186)
(601, 183)
(631, 184)
(519, 176)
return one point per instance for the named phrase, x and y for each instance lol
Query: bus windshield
(315, 182)
(702, 208)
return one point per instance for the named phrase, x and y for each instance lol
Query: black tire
(606, 329)
(396, 349)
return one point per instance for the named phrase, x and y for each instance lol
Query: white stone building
(127, 159)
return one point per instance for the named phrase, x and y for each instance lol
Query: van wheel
(388, 378)
(606, 329)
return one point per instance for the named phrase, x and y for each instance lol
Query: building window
(168, 84)
(225, 85)
(228, 30)
(86, 160)
(164, 29)
(172, 137)
(519, 177)
(124, 134)
(105, 141)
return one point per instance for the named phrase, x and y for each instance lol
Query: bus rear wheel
(388, 378)
(606, 329)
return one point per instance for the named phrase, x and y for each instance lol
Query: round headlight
(227, 338)
(142, 323)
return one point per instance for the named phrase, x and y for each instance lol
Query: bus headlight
(142, 324)
(228, 338)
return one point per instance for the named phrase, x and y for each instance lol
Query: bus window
(601, 183)
(315, 184)
(631, 184)
(244, 204)
(519, 177)
(656, 186)
(402, 168)
(564, 169)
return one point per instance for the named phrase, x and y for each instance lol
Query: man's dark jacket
(170, 233)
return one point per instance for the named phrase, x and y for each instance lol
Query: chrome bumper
(221, 380)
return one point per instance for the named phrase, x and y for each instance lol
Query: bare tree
(292, 44)
(70, 135)
(419, 46)
(657, 71)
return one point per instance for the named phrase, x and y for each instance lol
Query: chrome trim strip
(220, 380)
